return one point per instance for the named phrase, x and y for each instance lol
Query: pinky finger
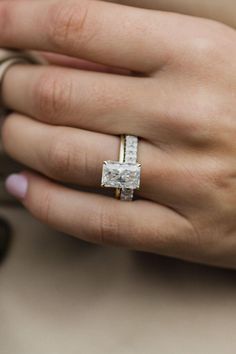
(139, 225)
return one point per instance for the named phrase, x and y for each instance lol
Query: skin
(219, 10)
(177, 93)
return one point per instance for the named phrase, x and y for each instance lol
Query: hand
(181, 104)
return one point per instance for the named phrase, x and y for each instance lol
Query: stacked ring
(123, 175)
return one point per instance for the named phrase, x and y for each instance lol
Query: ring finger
(76, 156)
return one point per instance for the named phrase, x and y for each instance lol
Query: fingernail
(17, 185)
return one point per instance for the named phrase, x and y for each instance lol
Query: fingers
(69, 155)
(138, 225)
(65, 154)
(106, 33)
(100, 102)
(76, 156)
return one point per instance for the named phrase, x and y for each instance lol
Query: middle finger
(106, 103)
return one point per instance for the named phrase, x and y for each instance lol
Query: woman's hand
(180, 102)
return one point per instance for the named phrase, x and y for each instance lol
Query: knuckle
(193, 119)
(220, 178)
(86, 161)
(53, 96)
(60, 157)
(108, 229)
(215, 173)
(179, 123)
(67, 23)
(183, 125)
(42, 210)
(173, 119)
(205, 49)
(64, 158)
(196, 134)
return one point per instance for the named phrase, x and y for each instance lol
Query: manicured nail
(17, 185)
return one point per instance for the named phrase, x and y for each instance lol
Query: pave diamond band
(130, 157)
(125, 174)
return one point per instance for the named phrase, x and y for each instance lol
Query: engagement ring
(124, 175)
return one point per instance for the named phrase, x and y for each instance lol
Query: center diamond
(121, 175)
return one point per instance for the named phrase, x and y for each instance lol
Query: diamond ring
(124, 175)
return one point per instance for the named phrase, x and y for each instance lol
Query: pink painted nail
(17, 185)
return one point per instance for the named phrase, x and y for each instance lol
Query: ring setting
(123, 175)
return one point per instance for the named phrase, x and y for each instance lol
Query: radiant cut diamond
(121, 175)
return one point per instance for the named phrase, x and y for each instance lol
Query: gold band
(121, 159)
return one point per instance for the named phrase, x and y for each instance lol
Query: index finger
(110, 34)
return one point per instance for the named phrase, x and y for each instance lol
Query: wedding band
(123, 175)
(11, 57)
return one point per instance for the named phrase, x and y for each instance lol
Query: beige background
(58, 295)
